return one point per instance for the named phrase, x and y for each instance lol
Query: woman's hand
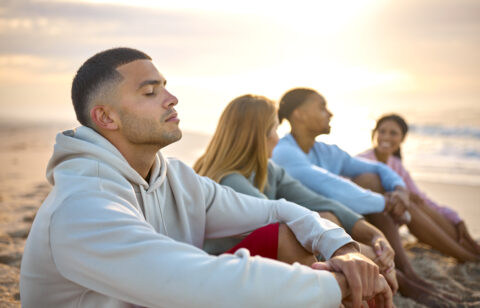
(385, 260)
(384, 253)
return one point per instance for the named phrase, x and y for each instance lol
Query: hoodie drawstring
(151, 207)
(155, 192)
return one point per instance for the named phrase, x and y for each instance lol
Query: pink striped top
(396, 164)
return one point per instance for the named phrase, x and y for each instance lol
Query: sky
(367, 57)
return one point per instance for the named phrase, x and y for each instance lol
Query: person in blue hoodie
(368, 188)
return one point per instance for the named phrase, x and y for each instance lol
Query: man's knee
(369, 181)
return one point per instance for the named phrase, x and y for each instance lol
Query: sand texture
(25, 152)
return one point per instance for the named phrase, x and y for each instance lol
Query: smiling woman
(438, 226)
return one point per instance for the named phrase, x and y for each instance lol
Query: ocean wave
(445, 131)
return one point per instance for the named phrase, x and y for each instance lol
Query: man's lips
(172, 117)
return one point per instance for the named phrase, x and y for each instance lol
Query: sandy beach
(25, 152)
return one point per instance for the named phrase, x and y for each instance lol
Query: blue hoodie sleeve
(320, 180)
(354, 166)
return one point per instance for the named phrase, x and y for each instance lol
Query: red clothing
(262, 242)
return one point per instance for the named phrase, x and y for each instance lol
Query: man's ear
(297, 114)
(103, 117)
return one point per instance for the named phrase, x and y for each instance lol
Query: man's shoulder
(285, 150)
(323, 145)
(171, 160)
(286, 140)
(180, 170)
(178, 166)
(325, 149)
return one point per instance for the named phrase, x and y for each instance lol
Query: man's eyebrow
(151, 82)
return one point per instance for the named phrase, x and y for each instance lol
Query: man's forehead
(139, 70)
(316, 98)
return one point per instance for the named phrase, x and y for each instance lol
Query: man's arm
(104, 245)
(230, 213)
(397, 203)
(355, 166)
(326, 183)
(357, 276)
(361, 272)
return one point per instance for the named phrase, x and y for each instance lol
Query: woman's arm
(241, 184)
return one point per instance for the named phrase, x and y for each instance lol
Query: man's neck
(305, 140)
(141, 161)
(139, 157)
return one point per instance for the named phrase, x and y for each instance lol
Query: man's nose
(171, 99)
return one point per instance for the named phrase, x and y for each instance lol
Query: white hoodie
(93, 245)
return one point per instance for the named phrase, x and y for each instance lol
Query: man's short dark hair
(97, 72)
(291, 100)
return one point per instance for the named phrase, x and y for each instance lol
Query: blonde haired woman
(238, 156)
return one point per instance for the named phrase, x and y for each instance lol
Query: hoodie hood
(85, 143)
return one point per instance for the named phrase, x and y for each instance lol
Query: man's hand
(397, 203)
(347, 248)
(362, 275)
(383, 297)
(342, 283)
(391, 278)
(416, 198)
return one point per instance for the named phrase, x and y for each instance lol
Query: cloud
(28, 69)
(73, 30)
(428, 35)
(391, 47)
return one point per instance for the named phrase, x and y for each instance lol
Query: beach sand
(24, 155)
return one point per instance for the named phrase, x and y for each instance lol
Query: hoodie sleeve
(101, 243)
(354, 166)
(293, 190)
(225, 207)
(326, 183)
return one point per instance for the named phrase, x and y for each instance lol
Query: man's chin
(180, 135)
(175, 136)
(171, 138)
(326, 131)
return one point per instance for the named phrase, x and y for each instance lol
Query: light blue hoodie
(326, 169)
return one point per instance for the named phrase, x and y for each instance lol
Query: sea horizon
(432, 152)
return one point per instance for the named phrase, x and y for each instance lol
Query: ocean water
(443, 153)
(435, 150)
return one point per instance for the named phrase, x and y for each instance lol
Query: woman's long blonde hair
(240, 141)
